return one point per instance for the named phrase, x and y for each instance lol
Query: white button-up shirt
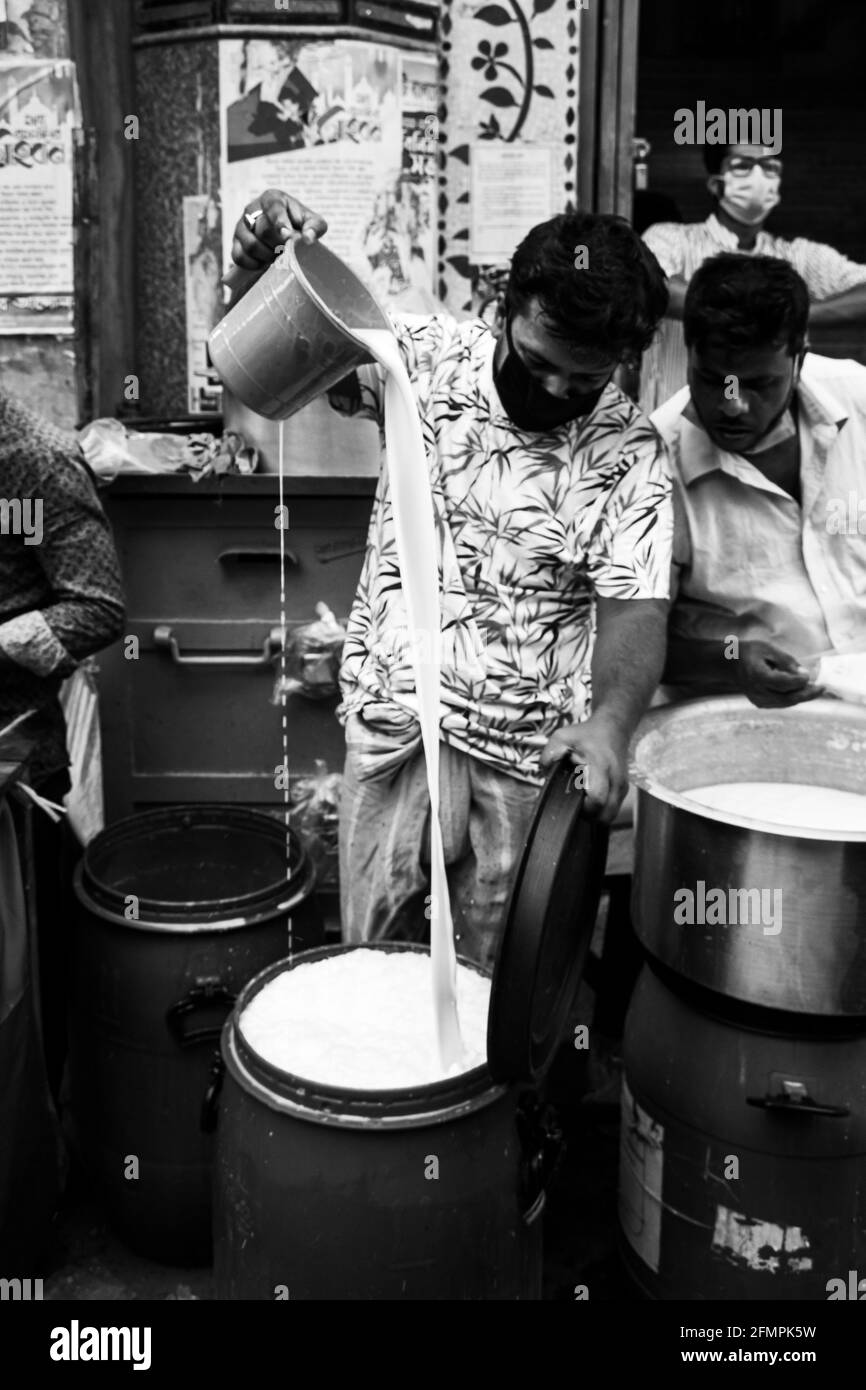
(751, 562)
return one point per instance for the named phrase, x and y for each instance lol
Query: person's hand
(280, 218)
(771, 678)
(599, 748)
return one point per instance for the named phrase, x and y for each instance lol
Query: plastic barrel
(743, 1144)
(326, 1193)
(177, 910)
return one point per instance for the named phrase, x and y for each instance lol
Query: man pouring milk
(554, 532)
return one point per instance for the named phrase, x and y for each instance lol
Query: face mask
(528, 405)
(749, 200)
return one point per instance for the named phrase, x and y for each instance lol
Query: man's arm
(840, 310)
(77, 556)
(628, 658)
(768, 676)
(627, 665)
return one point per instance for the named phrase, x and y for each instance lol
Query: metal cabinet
(187, 710)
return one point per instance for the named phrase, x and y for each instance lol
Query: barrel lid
(548, 928)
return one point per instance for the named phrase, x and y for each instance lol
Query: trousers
(384, 842)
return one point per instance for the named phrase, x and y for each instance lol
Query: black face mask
(528, 405)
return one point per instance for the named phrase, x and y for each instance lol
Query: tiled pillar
(509, 72)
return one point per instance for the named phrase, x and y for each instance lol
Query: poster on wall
(346, 126)
(38, 114)
(511, 191)
(202, 260)
(34, 28)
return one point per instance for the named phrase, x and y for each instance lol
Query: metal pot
(811, 957)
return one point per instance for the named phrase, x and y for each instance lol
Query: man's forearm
(840, 309)
(628, 659)
(700, 662)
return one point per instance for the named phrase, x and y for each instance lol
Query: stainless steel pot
(809, 956)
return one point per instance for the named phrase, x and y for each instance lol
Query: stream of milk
(415, 531)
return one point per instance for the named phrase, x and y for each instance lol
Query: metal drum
(816, 962)
(742, 1151)
(178, 909)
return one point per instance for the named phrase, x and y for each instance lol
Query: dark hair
(714, 156)
(746, 301)
(614, 303)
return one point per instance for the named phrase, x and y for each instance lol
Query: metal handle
(165, 640)
(793, 1098)
(210, 1103)
(205, 994)
(542, 1143)
(256, 554)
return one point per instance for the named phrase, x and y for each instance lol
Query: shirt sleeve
(665, 240)
(420, 338)
(634, 541)
(681, 556)
(74, 548)
(825, 270)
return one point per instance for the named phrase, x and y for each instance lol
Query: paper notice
(511, 190)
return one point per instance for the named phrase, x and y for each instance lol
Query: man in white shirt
(745, 182)
(768, 448)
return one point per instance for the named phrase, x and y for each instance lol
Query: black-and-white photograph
(432, 671)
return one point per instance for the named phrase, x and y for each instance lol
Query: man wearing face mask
(745, 182)
(767, 443)
(553, 508)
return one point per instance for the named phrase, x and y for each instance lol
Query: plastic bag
(312, 659)
(110, 448)
(314, 813)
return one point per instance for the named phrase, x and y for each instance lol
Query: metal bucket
(816, 962)
(742, 1151)
(290, 337)
(325, 1193)
(178, 909)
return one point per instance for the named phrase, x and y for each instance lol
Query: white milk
(415, 530)
(364, 1020)
(786, 803)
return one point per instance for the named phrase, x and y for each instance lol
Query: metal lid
(549, 924)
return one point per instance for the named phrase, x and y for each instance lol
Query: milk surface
(786, 803)
(364, 1020)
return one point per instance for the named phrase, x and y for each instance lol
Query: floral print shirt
(60, 591)
(531, 526)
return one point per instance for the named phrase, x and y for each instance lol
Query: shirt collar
(823, 414)
(722, 234)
